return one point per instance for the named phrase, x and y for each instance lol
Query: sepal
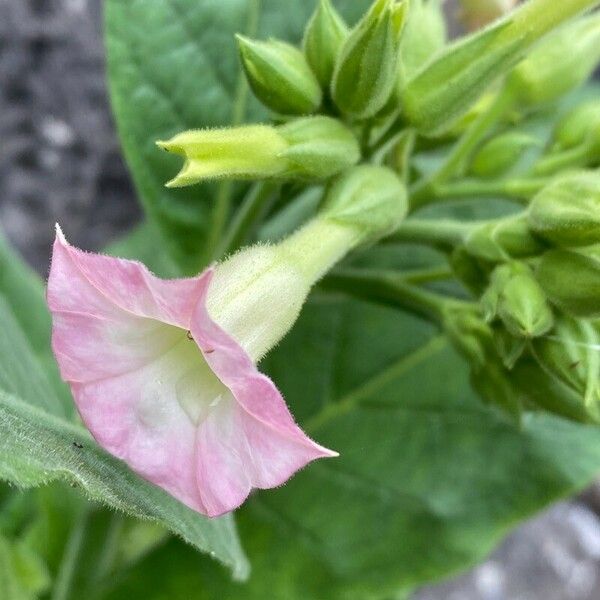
(367, 67)
(371, 199)
(323, 39)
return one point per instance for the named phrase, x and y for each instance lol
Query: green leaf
(20, 371)
(37, 448)
(428, 479)
(22, 292)
(13, 584)
(173, 65)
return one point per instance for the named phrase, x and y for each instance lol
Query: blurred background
(60, 161)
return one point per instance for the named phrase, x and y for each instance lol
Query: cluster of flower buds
(541, 298)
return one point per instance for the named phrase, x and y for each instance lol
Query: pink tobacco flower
(162, 386)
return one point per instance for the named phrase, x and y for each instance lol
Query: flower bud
(474, 339)
(250, 151)
(310, 147)
(477, 13)
(509, 347)
(443, 91)
(548, 393)
(323, 39)
(560, 63)
(372, 199)
(367, 66)
(571, 279)
(574, 128)
(502, 239)
(449, 85)
(571, 354)
(567, 211)
(319, 147)
(279, 76)
(500, 154)
(424, 35)
(515, 297)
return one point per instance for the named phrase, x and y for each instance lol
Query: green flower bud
(310, 147)
(567, 211)
(474, 339)
(509, 347)
(516, 298)
(424, 35)
(560, 63)
(571, 354)
(543, 391)
(574, 128)
(503, 239)
(500, 154)
(279, 76)
(372, 198)
(477, 13)
(571, 279)
(367, 66)
(323, 39)
(449, 85)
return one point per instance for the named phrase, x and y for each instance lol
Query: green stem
(516, 189)
(72, 552)
(553, 163)
(391, 289)
(247, 219)
(222, 205)
(420, 276)
(442, 233)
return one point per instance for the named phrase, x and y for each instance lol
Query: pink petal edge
(114, 325)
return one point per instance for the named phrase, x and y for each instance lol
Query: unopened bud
(250, 151)
(424, 35)
(572, 354)
(373, 199)
(571, 279)
(323, 39)
(543, 391)
(500, 154)
(449, 85)
(477, 13)
(560, 63)
(516, 298)
(567, 211)
(280, 76)
(574, 128)
(510, 348)
(310, 147)
(474, 339)
(367, 66)
(503, 239)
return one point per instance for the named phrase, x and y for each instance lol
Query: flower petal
(250, 439)
(196, 418)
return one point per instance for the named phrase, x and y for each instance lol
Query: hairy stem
(391, 289)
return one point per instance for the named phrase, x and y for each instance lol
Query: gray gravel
(60, 161)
